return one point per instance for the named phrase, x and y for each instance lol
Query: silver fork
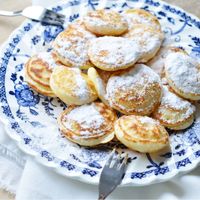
(112, 174)
(38, 13)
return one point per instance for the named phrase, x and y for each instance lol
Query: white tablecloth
(21, 175)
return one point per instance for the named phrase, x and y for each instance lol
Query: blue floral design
(50, 33)
(18, 54)
(74, 3)
(73, 17)
(25, 97)
(183, 163)
(67, 165)
(57, 8)
(28, 27)
(89, 172)
(152, 3)
(47, 155)
(27, 140)
(36, 39)
(196, 46)
(92, 4)
(49, 106)
(19, 67)
(28, 100)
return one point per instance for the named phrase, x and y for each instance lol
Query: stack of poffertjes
(107, 63)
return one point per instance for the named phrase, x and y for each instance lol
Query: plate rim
(78, 176)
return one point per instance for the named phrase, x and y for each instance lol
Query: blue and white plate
(30, 118)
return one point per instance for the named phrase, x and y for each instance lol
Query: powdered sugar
(140, 75)
(74, 47)
(157, 63)
(170, 100)
(105, 18)
(184, 72)
(48, 58)
(148, 40)
(82, 90)
(173, 101)
(88, 117)
(95, 21)
(114, 51)
(134, 18)
(74, 52)
(148, 120)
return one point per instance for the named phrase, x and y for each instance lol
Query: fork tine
(116, 161)
(108, 162)
(52, 13)
(125, 159)
(52, 21)
(111, 176)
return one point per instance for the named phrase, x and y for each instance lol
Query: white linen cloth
(12, 162)
(21, 175)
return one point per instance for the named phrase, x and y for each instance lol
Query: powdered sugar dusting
(115, 51)
(95, 21)
(74, 47)
(134, 18)
(149, 40)
(148, 120)
(82, 90)
(184, 72)
(105, 18)
(183, 109)
(88, 117)
(48, 58)
(173, 101)
(140, 74)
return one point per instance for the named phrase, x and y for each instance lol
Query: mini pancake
(174, 112)
(88, 125)
(72, 86)
(157, 62)
(140, 16)
(78, 24)
(71, 46)
(183, 75)
(38, 70)
(100, 79)
(105, 22)
(140, 133)
(113, 53)
(149, 40)
(134, 91)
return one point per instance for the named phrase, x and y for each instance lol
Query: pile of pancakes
(109, 64)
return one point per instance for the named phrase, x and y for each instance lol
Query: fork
(38, 13)
(112, 174)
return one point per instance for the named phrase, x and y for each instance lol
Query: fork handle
(10, 13)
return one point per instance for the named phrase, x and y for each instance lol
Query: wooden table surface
(7, 25)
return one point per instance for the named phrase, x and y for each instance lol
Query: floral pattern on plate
(30, 118)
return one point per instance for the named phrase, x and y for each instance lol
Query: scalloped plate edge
(79, 176)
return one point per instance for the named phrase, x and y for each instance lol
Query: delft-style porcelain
(30, 118)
